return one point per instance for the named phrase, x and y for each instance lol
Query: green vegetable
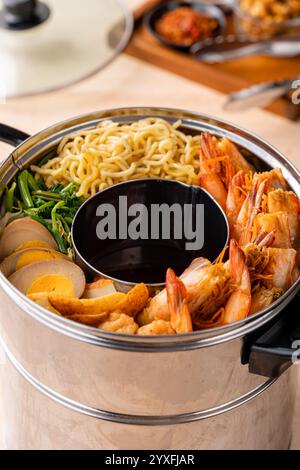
(33, 185)
(47, 157)
(54, 207)
(57, 237)
(55, 219)
(24, 189)
(47, 195)
(42, 209)
(69, 220)
(9, 197)
(70, 189)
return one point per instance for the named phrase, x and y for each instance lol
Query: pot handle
(12, 136)
(276, 349)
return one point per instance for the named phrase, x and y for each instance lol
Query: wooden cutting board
(228, 77)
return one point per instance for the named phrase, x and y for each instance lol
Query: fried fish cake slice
(89, 320)
(156, 328)
(130, 304)
(69, 307)
(135, 301)
(43, 300)
(119, 323)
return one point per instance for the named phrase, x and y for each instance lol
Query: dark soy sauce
(146, 264)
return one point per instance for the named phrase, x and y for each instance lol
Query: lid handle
(23, 14)
(19, 11)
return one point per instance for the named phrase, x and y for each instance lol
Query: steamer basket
(68, 386)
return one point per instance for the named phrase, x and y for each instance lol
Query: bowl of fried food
(264, 19)
(180, 25)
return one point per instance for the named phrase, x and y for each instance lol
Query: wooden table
(130, 82)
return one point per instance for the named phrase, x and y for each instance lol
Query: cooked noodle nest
(114, 152)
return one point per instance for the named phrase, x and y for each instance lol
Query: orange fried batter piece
(82, 310)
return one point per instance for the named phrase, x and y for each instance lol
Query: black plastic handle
(17, 11)
(277, 348)
(23, 14)
(12, 136)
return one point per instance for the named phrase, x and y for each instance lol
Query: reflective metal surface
(34, 421)
(152, 380)
(262, 154)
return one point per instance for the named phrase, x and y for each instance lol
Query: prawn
(278, 223)
(275, 179)
(211, 169)
(263, 298)
(235, 199)
(158, 306)
(207, 286)
(220, 161)
(180, 318)
(286, 201)
(245, 222)
(239, 303)
(281, 271)
(177, 302)
(226, 147)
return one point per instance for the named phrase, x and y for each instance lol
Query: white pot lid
(78, 39)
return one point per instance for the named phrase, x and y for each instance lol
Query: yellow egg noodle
(114, 152)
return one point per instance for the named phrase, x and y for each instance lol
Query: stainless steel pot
(68, 386)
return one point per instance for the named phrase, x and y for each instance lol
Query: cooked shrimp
(257, 259)
(226, 147)
(235, 199)
(288, 202)
(211, 169)
(158, 327)
(245, 221)
(205, 298)
(278, 223)
(257, 255)
(264, 239)
(237, 307)
(219, 162)
(207, 286)
(275, 179)
(179, 313)
(239, 303)
(158, 307)
(281, 270)
(119, 323)
(263, 298)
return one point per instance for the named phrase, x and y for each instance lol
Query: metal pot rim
(194, 340)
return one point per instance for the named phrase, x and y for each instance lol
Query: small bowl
(256, 29)
(157, 13)
(128, 261)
